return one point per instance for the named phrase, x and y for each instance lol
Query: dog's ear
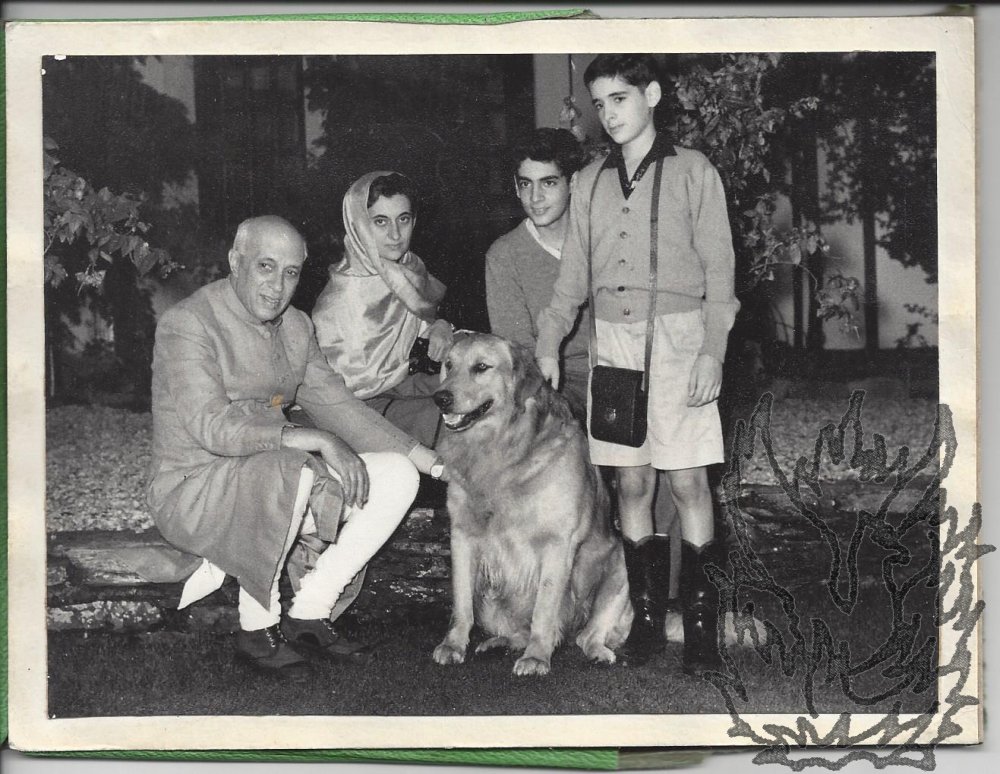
(528, 380)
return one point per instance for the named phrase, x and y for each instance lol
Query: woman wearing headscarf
(376, 319)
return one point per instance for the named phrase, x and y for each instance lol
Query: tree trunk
(806, 212)
(867, 214)
(816, 261)
(54, 336)
(133, 325)
(798, 323)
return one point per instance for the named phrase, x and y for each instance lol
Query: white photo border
(950, 38)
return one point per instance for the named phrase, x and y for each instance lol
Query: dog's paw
(446, 653)
(529, 665)
(601, 656)
(494, 647)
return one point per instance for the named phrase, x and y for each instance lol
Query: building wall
(558, 76)
(174, 76)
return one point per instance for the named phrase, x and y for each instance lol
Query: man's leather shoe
(318, 637)
(267, 649)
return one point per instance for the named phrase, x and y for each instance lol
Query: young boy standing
(522, 265)
(695, 307)
(521, 270)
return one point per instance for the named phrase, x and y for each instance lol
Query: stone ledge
(839, 495)
(91, 588)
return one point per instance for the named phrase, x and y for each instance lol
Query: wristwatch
(437, 468)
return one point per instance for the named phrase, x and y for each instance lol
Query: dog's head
(487, 380)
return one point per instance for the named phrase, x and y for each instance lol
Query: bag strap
(654, 233)
(590, 269)
(654, 255)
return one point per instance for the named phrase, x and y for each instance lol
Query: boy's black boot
(658, 580)
(646, 635)
(700, 598)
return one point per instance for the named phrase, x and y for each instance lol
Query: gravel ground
(97, 461)
(795, 426)
(98, 457)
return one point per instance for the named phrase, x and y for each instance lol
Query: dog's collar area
(458, 422)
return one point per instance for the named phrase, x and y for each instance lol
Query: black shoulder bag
(620, 396)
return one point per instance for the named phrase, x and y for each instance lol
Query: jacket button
(627, 312)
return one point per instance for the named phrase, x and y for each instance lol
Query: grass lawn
(188, 673)
(192, 674)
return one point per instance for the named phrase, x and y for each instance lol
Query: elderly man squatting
(235, 484)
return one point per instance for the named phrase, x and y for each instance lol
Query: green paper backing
(594, 759)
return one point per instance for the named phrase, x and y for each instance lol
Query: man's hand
(340, 458)
(350, 467)
(705, 381)
(439, 337)
(549, 366)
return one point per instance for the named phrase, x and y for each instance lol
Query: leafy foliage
(839, 299)
(881, 142)
(913, 337)
(723, 111)
(113, 128)
(109, 224)
(98, 238)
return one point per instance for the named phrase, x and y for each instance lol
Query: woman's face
(392, 222)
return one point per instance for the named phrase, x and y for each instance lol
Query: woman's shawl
(371, 310)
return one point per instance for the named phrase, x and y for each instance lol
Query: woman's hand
(440, 338)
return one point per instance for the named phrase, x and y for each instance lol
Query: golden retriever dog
(533, 557)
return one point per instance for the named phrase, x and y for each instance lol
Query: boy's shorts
(678, 435)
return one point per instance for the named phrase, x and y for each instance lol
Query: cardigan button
(627, 312)
(621, 288)
(624, 235)
(625, 210)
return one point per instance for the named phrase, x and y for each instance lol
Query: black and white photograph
(565, 382)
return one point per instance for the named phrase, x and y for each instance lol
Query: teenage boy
(522, 265)
(521, 268)
(694, 310)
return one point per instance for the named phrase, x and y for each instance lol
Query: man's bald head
(267, 227)
(265, 262)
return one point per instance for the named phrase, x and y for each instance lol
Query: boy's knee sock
(393, 485)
